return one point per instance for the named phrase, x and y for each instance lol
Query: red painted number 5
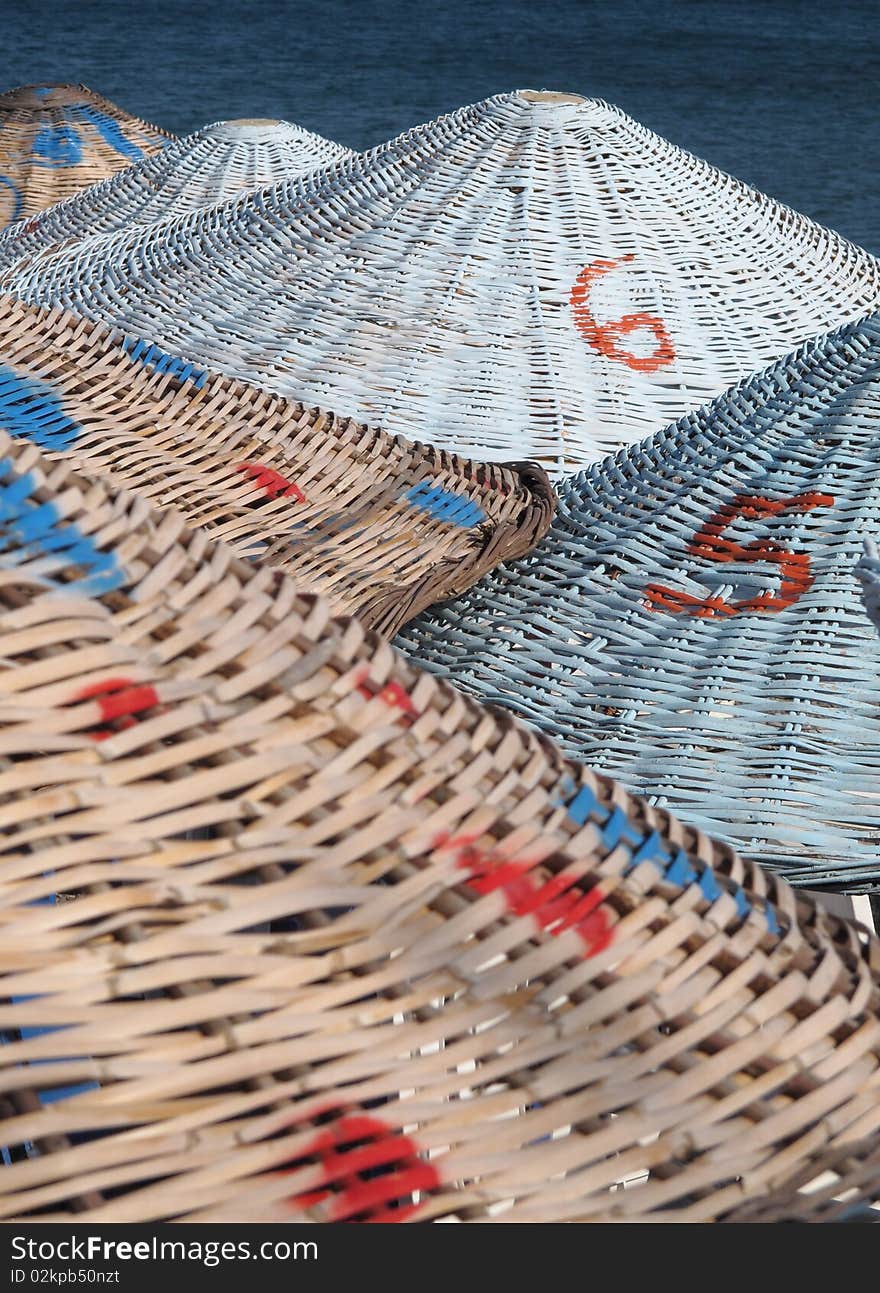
(795, 575)
(605, 337)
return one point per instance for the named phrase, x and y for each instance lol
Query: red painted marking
(604, 337)
(392, 694)
(117, 698)
(271, 482)
(794, 567)
(557, 904)
(342, 1168)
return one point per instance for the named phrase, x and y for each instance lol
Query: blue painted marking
(56, 146)
(617, 828)
(31, 525)
(17, 203)
(32, 409)
(709, 886)
(650, 850)
(583, 804)
(679, 872)
(150, 355)
(14, 495)
(111, 133)
(36, 524)
(444, 505)
(743, 906)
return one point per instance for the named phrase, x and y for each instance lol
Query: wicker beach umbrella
(58, 139)
(338, 942)
(536, 276)
(382, 526)
(692, 623)
(209, 166)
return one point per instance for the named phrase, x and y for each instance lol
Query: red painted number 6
(605, 337)
(795, 575)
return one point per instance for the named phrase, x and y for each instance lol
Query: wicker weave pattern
(475, 953)
(846, 1188)
(692, 625)
(57, 139)
(532, 277)
(209, 166)
(382, 526)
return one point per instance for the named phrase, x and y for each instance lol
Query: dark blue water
(782, 93)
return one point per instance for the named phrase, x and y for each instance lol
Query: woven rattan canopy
(382, 526)
(209, 166)
(57, 139)
(693, 625)
(536, 276)
(323, 915)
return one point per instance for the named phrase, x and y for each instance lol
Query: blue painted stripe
(32, 409)
(615, 829)
(583, 805)
(25, 525)
(151, 356)
(680, 872)
(618, 828)
(651, 850)
(56, 146)
(709, 886)
(444, 505)
(111, 132)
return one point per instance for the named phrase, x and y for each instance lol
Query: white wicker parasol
(535, 276)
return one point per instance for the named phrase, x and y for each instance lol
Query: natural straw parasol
(536, 276)
(339, 943)
(381, 525)
(58, 139)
